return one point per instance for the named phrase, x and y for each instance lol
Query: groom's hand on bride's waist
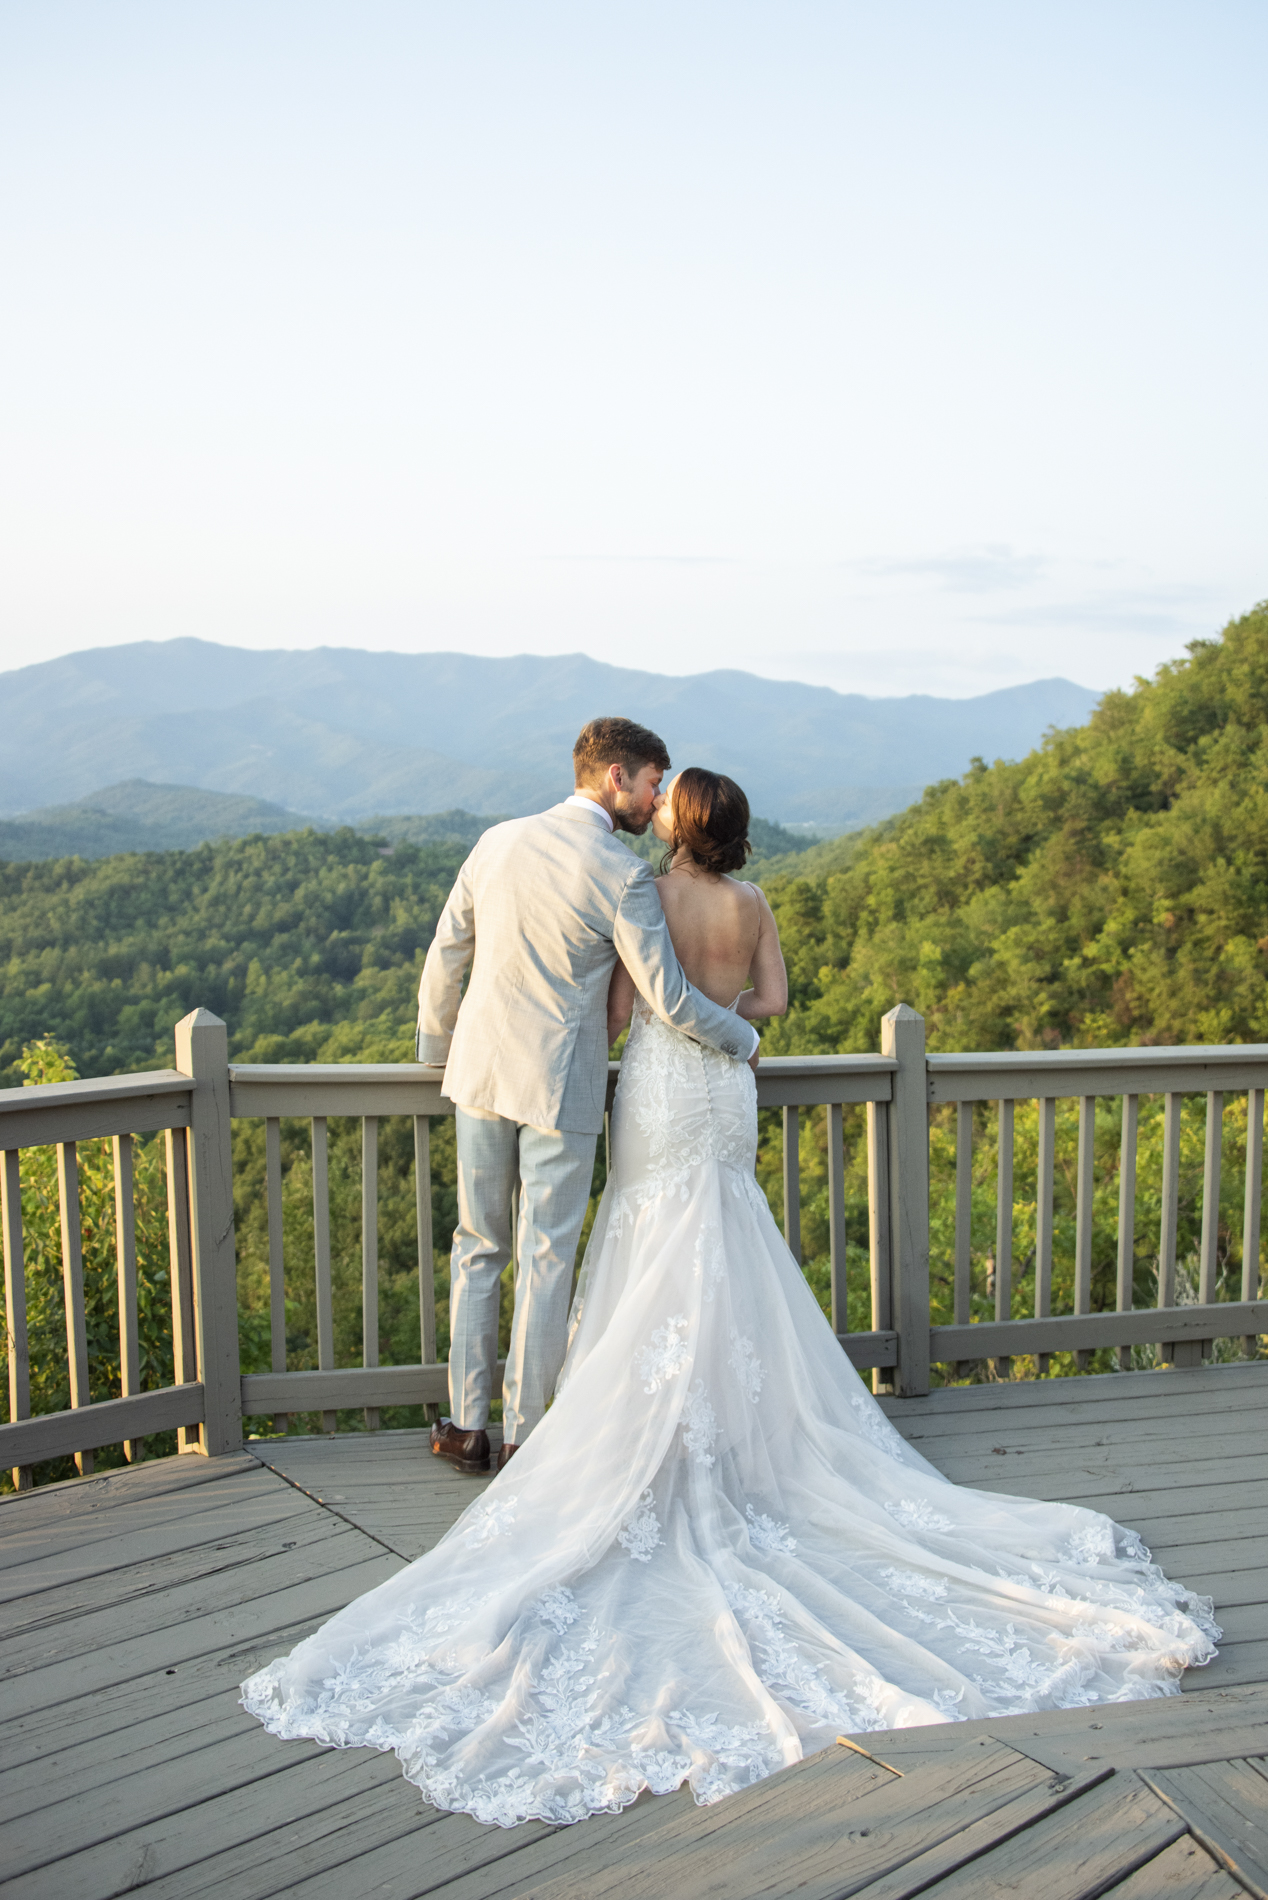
(754, 1059)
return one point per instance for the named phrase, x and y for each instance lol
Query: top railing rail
(1039, 1074)
(50, 1112)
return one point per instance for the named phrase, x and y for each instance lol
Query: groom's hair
(606, 742)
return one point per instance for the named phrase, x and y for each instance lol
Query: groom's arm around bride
(540, 912)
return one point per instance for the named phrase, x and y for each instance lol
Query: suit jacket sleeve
(642, 941)
(440, 989)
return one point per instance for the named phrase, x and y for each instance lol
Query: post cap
(201, 1019)
(902, 1013)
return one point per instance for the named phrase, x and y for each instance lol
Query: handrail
(1030, 1074)
(49, 1112)
(274, 1089)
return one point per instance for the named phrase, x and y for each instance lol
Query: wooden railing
(1185, 1333)
(195, 1104)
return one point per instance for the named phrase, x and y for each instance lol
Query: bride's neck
(682, 860)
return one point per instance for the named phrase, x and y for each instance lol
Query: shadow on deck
(133, 1604)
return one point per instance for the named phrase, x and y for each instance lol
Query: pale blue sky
(902, 347)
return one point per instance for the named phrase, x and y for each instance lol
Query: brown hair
(606, 742)
(710, 818)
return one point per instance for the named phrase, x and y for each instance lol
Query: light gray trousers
(554, 1170)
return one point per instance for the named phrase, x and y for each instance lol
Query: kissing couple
(706, 1552)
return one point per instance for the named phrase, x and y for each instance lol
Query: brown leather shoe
(465, 1451)
(505, 1456)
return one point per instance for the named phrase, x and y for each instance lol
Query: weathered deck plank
(387, 1483)
(1225, 1805)
(1183, 1871)
(157, 1589)
(194, 1829)
(99, 1557)
(1077, 1852)
(792, 1834)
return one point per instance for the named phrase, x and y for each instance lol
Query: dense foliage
(1111, 888)
(300, 941)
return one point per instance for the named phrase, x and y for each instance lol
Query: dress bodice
(679, 1103)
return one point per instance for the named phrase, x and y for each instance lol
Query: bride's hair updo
(710, 820)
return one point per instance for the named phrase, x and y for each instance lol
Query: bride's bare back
(726, 938)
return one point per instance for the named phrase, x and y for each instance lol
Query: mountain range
(346, 734)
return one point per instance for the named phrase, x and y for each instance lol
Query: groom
(541, 911)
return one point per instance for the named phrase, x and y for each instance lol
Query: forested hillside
(1110, 888)
(301, 942)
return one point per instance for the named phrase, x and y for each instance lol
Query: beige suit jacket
(541, 910)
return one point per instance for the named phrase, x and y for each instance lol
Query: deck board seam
(343, 1517)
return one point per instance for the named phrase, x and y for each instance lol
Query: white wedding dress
(715, 1554)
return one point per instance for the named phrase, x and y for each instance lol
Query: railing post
(903, 1038)
(202, 1052)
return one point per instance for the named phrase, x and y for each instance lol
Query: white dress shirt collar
(591, 804)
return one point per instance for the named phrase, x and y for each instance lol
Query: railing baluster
(963, 1223)
(1170, 1210)
(1127, 1217)
(1004, 1227)
(370, 1253)
(426, 1260)
(321, 1258)
(1047, 1159)
(73, 1285)
(1084, 1187)
(125, 1257)
(277, 1254)
(836, 1217)
(792, 1181)
(1208, 1257)
(1250, 1218)
(878, 1231)
(181, 1272)
(15, 1300)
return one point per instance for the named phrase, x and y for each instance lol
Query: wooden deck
(133, 1604)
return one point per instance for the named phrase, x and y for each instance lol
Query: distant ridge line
(346, 734)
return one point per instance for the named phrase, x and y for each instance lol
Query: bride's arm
(769, 994)
(621, 995)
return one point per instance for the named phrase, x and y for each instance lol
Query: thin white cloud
(979, 570)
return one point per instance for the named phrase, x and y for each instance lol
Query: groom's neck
(605, 800)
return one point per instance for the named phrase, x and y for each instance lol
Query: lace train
(715, 1553)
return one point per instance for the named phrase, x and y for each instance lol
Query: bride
(715, 1553)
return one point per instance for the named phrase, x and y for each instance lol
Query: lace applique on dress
(747, 1367)
(876, 1426)
(700, 1425)
(641, 1532)
(558, 1607)
(910, 1583)
(743, 1753)
(1092, 1543)
(765, 1534)
(667, 1356)
(441, 1618)
(491, 1517)
(660, 1768)
(787, 1674)
(917, 1514)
